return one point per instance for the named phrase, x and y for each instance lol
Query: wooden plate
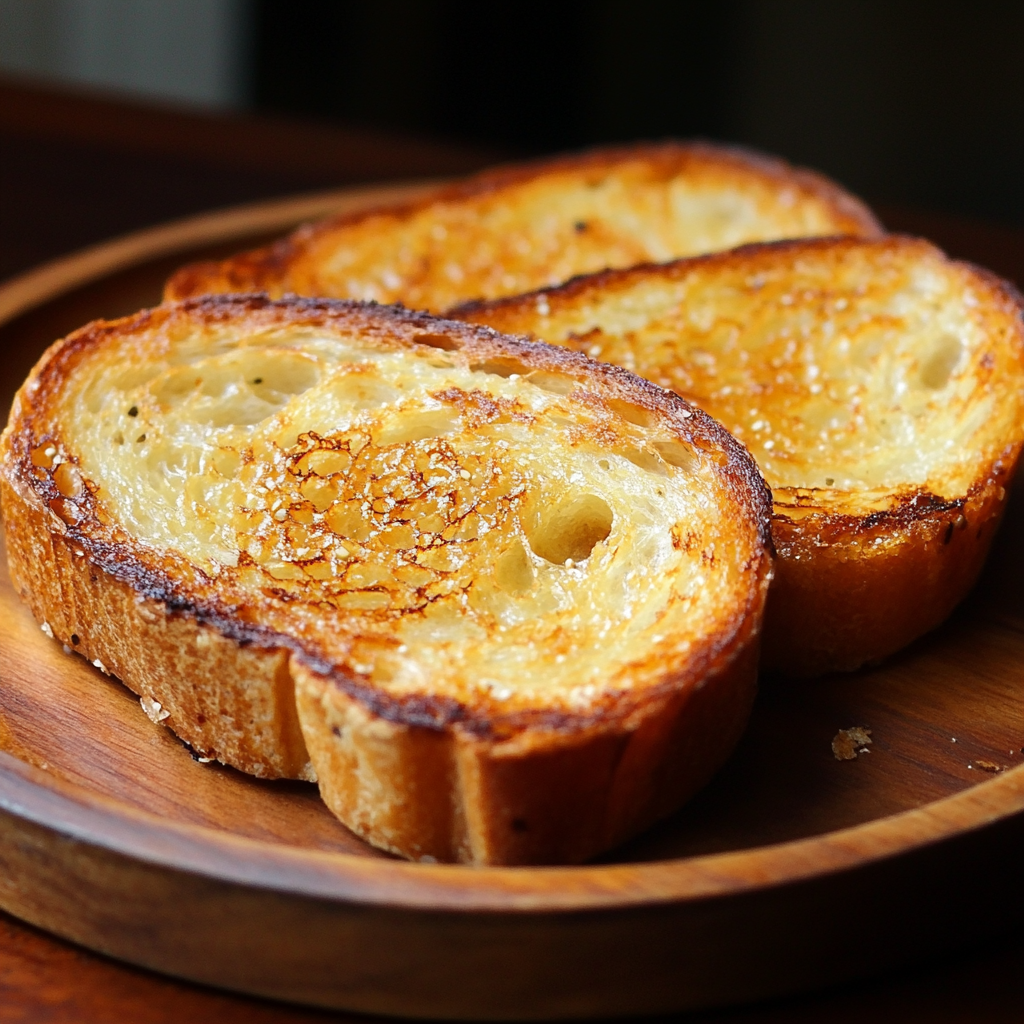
(791, 870)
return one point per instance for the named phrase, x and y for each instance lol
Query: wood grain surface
(793, 869)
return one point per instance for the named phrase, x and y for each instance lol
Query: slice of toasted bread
(879, 386)
(529, 226)
(518, 591)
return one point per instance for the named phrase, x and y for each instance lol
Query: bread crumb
(45, 627)
(155, 711)
(987, 766)
(848, 743)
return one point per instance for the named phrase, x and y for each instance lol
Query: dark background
(916, 106)
(904, 101)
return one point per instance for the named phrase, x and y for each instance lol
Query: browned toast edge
(265, 269)
(122, 606)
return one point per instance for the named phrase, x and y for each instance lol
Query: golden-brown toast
(879, 386)
(522, 227)
(506, 597)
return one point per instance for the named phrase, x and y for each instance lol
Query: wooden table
(74, 170)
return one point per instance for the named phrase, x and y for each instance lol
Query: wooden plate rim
(79, 813)
(26, 291)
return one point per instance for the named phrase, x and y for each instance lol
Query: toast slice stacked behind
(522, 227)
(506, 599)
(879, 386)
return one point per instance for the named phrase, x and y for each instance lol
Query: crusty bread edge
(890, 578)
(265, 269)
(228, 702)
(453, 795)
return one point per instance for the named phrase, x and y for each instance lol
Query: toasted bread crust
(855, 589)
(454, 796)
(144, 612)
(441, 250)
(862, 570)
(227, 702)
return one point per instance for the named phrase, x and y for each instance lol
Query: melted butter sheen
(852, 373)
(536, 233)
(423, 519)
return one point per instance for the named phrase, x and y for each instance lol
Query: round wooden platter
(792, 869)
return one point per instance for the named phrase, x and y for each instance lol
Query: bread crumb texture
(448, 528)
(880, 388)
(523, 227)
(848, 743)
(848, 369)
(477, 524)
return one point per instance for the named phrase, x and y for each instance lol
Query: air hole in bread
(633, 413)
(239, 389)
(502, 368)
(677, 454)
(571, 528)
(239, 410)
(68, 480)
(555, 383)
(938, 366)
(288, 373)
(649, 461)
(441, 341)
(419, 426)
(513, 571)
(171, 388)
